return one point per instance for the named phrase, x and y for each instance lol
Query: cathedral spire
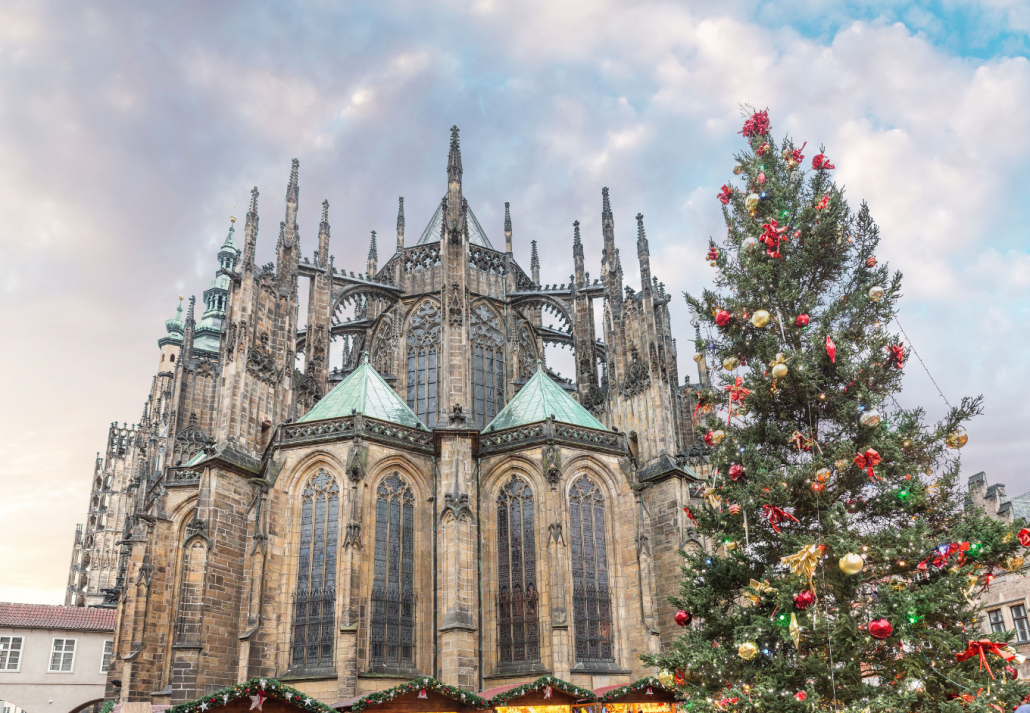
(644, 256)
(507, 228)
(400, 223)
(577, 254)
(607, 227)
(250, 231)
(293, 189)
(323, 236)
(454, 159)
(534, 264)
(373, 257)
(189, 332)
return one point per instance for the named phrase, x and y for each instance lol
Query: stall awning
(421, 695)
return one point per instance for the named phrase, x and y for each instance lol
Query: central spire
(454, 159)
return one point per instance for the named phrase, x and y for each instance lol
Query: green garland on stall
(427, 682)
(533, 686)
(107, 707)
(271, 687)
(633, 687)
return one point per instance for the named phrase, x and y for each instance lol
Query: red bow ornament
(982, 648)
(773, 236)
(690, 514)
(796, 154)
(756, 125)
(868, 461)
(820, 162)
(725, 194)
(823, 203)
(896, 354)
(737, 393)
(776, 515)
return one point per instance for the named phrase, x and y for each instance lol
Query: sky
(130, 132)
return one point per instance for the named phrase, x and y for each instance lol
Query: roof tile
(49, 616)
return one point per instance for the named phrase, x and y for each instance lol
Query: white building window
(105, 663)
(997, 620)
(10, 653)
(1019, 619)
(62, 656)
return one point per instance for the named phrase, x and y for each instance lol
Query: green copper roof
(364, 391)
(539, 399)
(175, 325)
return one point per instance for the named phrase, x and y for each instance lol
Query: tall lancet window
(487, 338)
(393, 590)
(314, 614)
(591, 600)
(424, 362)
(517, 613)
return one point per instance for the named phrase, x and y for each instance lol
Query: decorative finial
(507, 217)
(253, 200)
(606, 209)
(293, 190)
(575, 233)
(364, 357)
(372, 252)
(454, 159)
(325, 211)
(534, 257)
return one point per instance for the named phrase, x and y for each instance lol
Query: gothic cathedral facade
(441, 503)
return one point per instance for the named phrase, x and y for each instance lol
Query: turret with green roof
(540, 399)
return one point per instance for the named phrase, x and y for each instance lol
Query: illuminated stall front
(547, 694)
(421, 695)
(646, 695)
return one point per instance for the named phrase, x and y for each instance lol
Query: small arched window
(591, 598)
(518, 639)
(172, 358)
(393, 587)
(314, 616)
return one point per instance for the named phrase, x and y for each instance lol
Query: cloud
(129, 133)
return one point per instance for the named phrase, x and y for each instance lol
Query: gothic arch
(385, 342)
(307, 465)
(487, 361)
(491, 481)
(423, 365)
(420, 481)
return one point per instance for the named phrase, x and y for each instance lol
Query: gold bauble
(851, 563)
(779, 371)
(956, 439)
(1013, 563)
(738, 169)
(870, 418)
(822, 475)
(751, 203)
(717, 437)
(665, 678)
(730, 545)
(748, 650)
(840, 465)
(730, 363)
(760, 318)
(699, 358)
(749, 244)
(876, 293)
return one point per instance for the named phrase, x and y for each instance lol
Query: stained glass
(488, 345)
(314, 611)
(591, 600)
(393, 601)
(517, 613)
(423, 362)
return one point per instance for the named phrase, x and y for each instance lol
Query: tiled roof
(364, 391)
(540, 399)
(49, 616)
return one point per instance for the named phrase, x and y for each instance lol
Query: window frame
(525, 567)
(593, 597)
(1022, 633)
(393, 582)
(996, 624)
(107, 656)
(21, 650)
(74, 651)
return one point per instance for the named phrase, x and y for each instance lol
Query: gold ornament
(760, 318)
(699, 358)
(712, 498)
(751, 203)
(1013, 563)
(840, 465)
(795, 630)
(730, 545)
(1019, 658)
(759, 588)
(851, 563)
(870, 418)
(957, 438)
(730, 363)
(665, 678)
(803, 561)
(779, 366)
(876, 293)
(717, 436)
(738, 169)
(822, 475)
(748, 650)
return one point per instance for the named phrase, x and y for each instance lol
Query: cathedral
(438, 502)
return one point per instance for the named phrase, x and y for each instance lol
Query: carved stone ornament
(357, 460)
(261, 361)
(353, 536)
(554, 534)
(595, 399)
(146, 572)
(191, 439)
(457, 417)
(455, 306)
(552, 464)
(308, 390)
(638, 378)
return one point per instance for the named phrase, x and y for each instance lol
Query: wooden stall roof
(535, 693)
(270, 694)
(405, 698)
(636, 692)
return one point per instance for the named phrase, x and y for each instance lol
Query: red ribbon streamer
(725, 194)
(821, 162)
(982, 648)
(776, 515)
(831, 351)
(773, 236)
(896, 353)
(737, 393)
(867, 460)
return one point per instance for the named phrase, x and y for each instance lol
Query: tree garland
(638, 685)
(533, 686)
(254, 687)
(427, 683)
(107, 707)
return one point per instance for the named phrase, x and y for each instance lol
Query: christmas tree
(840, 571)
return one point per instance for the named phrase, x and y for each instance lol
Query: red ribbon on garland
(981, 648)
(820, 162)
(797, 155)
(868, 460)
(690, 514)
(737, 393)
(773, 236)
(776, 515)
(896, 353)
(725, 194)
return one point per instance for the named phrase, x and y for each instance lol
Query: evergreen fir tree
(818, 470)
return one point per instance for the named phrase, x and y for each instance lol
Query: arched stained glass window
(393, 590)
(591, 599)
(517, 612)
(424, 362)
(487, 339)
(314, 616)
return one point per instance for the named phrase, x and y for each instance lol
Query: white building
(53, 659)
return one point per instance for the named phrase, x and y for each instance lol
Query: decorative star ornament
(258, 700)
(203, 706)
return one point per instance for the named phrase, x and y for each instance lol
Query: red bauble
(802, 320)
(880, 628)
(736, 471)
(1024, 537)
(683, 618)
(801, 695)
(803, 600)
(679, 678)
(722, 318)
(1012, 672)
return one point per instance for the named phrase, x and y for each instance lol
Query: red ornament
(683, 618)
(868, 460)
(773, 236)
(649, 692)
(1012, 673)
(725, 194)
(709, 439)
(803, 600)
(823, 203)
(896, 353)
(801, 695)
(756, 125)
(734, 509)
(820, 162)
(763, 148)
(423, 695)
(797, 155)
(761, 177)
(713, 253)
(736, 471)
(880, 628)
(870, 261)
(722, 318)
(802, 320)
(831, 350)
(679, 678)
(1024, 537)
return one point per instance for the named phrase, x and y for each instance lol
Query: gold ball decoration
(760, 318)
(665, 678)
(717, 436)
(957, 438)
(730, 363)
(699, 358)
(738, 169)
(822, 475)
(840, 464)
(851, 563)
(751, 203)
(730, 545)
(749, 244)
(779, 371)
(748, 650)
(1013, 563)
(876, 293)
(870, 418)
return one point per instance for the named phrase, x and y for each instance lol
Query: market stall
(421, 695)
(547, 694)
(263, 694)
(645, 695)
